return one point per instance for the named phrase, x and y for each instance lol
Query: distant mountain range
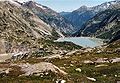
(83, 14)
(100, 21)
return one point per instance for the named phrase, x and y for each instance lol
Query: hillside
(104, 25)
(79, 16)
(20, 25)
(50, 17)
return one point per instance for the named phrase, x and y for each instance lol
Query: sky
(69, 5)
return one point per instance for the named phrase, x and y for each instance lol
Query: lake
(83, 41)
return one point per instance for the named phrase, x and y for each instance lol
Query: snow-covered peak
(33, 4)
(105, 5)
(22, 1)
(40, 6)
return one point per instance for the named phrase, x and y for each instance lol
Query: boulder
(78, 70)
(37, 68)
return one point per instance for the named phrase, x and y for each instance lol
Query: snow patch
(22, 1)
(40, 6)
(92, 79)
(16, 2)
(45, 32)
(60, 33)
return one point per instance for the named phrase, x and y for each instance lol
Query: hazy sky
(69, 5)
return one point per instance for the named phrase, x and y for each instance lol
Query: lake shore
(83, 41)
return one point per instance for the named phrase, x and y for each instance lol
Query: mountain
(84, 13)
(64, 13)
(20, 27)
(105, 25)
(50, 17)
(22, 31)
(79, 17)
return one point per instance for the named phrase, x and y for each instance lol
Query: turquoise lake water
(83, 41)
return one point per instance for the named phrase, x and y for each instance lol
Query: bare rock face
(27, 69)
(30, 69)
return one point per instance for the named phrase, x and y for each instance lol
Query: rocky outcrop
(38, 68)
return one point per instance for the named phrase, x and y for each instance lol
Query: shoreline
(83, 41)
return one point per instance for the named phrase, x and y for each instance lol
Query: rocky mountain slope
(79, 16)
(84, 13)
(104, 25)
(50, 17)
(21, 31)
(18, 25)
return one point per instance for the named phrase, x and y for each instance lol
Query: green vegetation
(62, 45)
(29, 79)
(107, 73)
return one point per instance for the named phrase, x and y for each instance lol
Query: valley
(82, 65)
(40, 45)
